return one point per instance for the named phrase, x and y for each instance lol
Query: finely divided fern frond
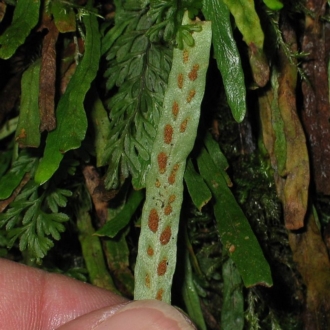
(34, 223)
(139, 55)
(139, 69)
(33, 218)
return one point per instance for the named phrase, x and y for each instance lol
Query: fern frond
(33, 218)
(139, 54)
(139, 68)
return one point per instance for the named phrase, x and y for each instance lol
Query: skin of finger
(34, 299)
(138, 315)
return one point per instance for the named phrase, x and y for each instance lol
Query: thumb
(137, 315)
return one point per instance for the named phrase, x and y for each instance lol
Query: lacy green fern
(22, 165)
(138, 50)
(140, 70)
(33, 219)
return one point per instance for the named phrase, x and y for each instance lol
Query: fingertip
(147, 314)
(137, 315)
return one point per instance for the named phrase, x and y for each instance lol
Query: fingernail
(146, 314)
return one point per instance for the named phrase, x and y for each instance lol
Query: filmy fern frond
(33, 219)
(139, 68)
(139, 54)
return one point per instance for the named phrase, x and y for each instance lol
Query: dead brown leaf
(48, 77)
(311, 256)
(291, 163)
(316, 107)
(265, 101)
(295, 189)
(98, 193)
(3, 8)
(259, 65)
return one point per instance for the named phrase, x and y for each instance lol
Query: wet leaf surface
(248, 22)
(227, 56)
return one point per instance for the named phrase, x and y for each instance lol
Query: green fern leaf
(23, 164)
(29, 221)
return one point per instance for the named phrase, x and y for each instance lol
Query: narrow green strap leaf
(232, 311)
(122, 219)
(71, 116)
(190, 296)
(92, 252)
(247, 21)
(26, 16)
(117, 253)
(227, 56)
(235, 232)
(101, 124)
(27, 132)
(273, 4)
(176, 134)
(64, 16)
(214, 150)
(197, 188)
(216, 154)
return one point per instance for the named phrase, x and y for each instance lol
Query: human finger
(137, 315)
(34, 299)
